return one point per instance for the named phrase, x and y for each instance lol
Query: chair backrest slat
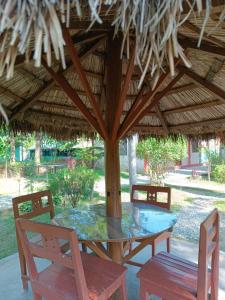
(152, 195)
(49, 248)
(208, 254)
(40, 203)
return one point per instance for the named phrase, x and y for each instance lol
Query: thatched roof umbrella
(138, 68)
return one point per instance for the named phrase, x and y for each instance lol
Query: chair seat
(171, 273)
(101, 276)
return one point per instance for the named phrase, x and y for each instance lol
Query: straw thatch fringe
(154, 22)
(3, 113)
(62, 133)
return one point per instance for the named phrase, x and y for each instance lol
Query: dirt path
(191, 216)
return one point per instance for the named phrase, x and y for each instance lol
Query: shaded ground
(10, 284)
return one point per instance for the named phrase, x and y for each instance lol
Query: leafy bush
(72, 185)
(25, 207)
(219, 173)
(160, 153)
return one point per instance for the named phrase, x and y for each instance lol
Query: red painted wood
(72, 94)
(73, 275)
(152, 199)
(206, 84)
(150, 99)
(157, 97)
(175, 278)
(78, 67)
(152, 195)
(38, 208)
(123, 95)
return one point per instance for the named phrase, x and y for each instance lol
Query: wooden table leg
(116, 252)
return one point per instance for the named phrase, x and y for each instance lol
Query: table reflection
(138, 221)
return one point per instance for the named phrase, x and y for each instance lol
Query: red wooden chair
(174, 278)
(72, 275)
(39, 203)
(153, 198)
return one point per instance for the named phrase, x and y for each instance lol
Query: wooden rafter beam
(10, 94)
(79, 69)
(206, 47)
(206, 84)
(216, 6)
(53, 105)
(162, 118)
(175, 90)
(123, 95)
(71, 93)
(133, 110)
(29, 101)
(79, 39)
(207, 104)
(155, 98)
(197, 30)
(84, 25)
(205, 125)
(193, 107)
(182, 88)
(214, 69)
(160, 115)
(144, 102)
(48, 85)
(87, 37)
(27, 74)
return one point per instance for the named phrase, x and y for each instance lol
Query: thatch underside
(193, 103)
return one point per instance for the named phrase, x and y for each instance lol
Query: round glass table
(109, 237)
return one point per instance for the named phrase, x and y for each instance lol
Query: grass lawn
(220, 204)
(8, 236)
(180, 199)
(8, 233)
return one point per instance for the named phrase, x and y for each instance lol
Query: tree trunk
(209, 171)
(132, 159)
(12, 148)
(37, 147)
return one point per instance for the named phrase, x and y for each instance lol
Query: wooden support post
(112, 93)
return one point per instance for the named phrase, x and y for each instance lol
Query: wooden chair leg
(214, 292)
(168, 243)
(144, 295)
(23, 269)
(37, 297)
(153, 248)
(84, 247)
(123, 290)
(130, 248)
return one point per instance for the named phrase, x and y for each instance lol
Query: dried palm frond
(155, 24)
(3, 113)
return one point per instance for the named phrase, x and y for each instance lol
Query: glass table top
(138, 221)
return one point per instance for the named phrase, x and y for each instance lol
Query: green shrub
(25, 207)
(72, 185)
(219, 173)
